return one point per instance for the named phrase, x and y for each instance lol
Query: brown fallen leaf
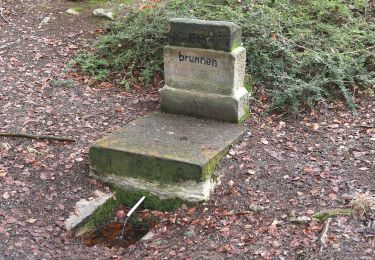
(3, 173)
(272, 228)
(264, 141)
(43, 176)
(6, 195)
(315, 127)
(31, 220)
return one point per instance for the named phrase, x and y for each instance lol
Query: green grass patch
(299, 51)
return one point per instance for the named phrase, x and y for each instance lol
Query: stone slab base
(231, 108)
(191, 191)
(165, 154)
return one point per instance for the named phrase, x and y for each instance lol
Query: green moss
(245, 116)
(164, 109)
(100, 216)
(163, 171)
(323, 215)
(248, 83)
(209, 168)
(235, 45)
(104, 213)
(78, 9)
(152, 202)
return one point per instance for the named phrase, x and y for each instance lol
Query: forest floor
(292, 167)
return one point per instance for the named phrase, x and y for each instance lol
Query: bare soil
(292, 167)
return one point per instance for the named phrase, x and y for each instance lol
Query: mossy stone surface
(205, 71)
(216, 35)
(228, 108)
(164, 148)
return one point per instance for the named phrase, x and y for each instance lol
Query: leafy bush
(299, 51)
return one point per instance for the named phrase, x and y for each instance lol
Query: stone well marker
(173, 155)
(204, 67)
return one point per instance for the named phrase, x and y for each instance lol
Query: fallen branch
(324, 235)
(39, 137)
(367, 126)
(323, 215)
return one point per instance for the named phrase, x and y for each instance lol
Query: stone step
(165, 154)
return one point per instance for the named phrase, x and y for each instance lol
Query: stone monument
(204, 67)
(172, 155)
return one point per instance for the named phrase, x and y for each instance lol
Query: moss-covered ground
(105, 212)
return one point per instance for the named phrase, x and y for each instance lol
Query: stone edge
(234, 29)
(75, 220)
(190, 191)
(168, 104)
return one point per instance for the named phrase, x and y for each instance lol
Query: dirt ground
(292, 167)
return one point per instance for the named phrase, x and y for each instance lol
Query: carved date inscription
(155, 170)
(197, 38)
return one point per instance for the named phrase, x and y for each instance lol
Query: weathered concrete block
(167, 155)
(230, 108)
(217, 35)
(207, 71)
(205, 83)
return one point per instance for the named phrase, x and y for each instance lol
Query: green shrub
(299, 51)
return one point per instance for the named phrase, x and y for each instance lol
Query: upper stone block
(194, 33)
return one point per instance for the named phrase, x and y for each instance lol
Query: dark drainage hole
(137, 227)
(108, 235)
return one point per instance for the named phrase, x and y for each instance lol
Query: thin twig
(2, 15)
(367, 126)
(39, 137)
(324, 235)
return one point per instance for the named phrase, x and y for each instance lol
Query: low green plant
(299, 51)
(90, 64)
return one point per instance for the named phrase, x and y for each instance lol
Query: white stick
(2, 15)
(135, 206)
(324, 235)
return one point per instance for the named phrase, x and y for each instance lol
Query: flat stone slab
(216, 35)
(168, 155)
(84, 209)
